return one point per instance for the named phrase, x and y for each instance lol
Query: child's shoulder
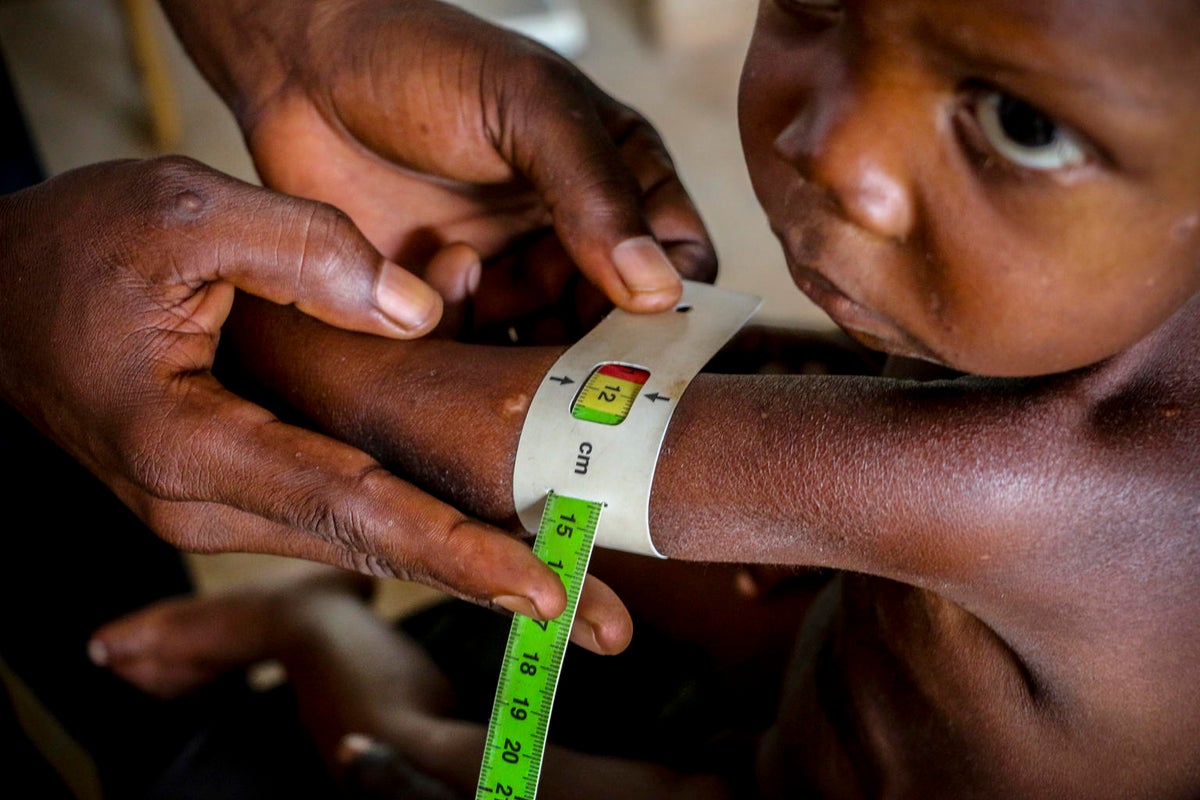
(1145, 402)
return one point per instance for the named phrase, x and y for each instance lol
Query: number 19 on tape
(516, 739)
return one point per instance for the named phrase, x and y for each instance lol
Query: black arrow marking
(654, 397)
(563, 381)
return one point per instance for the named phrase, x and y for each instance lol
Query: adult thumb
(296, 252)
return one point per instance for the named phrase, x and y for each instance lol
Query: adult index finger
(226, 475)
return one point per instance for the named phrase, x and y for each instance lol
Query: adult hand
(116, 282)
(429, 126)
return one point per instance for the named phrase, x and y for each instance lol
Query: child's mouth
(869, 327)
(845, 311)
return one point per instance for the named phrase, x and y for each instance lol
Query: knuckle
(459, 547)
(451, 554)
(149, 205)
(332, 522)
(377, 567)
(166, 448)
(327, 220)
(328, 230)
(328, 240)
(549, 92)
(422, 545)
(695, 261)
(339, 512)
(540, 69)
(179, 192)
(602, 199)
(176, 195)
(629, 125)
(156, 471)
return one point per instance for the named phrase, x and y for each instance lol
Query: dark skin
(1000, 623)
(518, 184)
(352, 674)
(117, 278)
(988, 646)
(1015, 549)
(430, 127)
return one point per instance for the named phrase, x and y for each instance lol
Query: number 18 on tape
(600, 442)
(533, 658)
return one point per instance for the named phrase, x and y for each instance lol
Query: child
(1007, 190)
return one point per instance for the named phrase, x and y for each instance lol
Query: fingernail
(472, 278)
(354, 745)
(745, 585)
(406, 298)
(518, 605)
(97, 652)
(585, 631)
(644, 267)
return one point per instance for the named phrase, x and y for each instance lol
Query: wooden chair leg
(166, 124)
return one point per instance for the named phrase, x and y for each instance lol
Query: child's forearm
(445, 415)
(854, 473)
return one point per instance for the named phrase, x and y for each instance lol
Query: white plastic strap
(614, 463)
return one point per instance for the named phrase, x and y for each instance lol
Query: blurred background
(103, 79)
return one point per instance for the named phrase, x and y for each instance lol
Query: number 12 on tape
(516, 738)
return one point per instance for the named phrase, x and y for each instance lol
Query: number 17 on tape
(516, 738)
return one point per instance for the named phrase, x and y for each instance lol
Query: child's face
(1008, 187)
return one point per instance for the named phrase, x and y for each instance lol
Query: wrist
(596, 425)
(245, 49)
(445, 415)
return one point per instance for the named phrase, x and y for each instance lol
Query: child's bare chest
(896, 692)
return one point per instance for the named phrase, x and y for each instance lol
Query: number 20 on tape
(516, 739)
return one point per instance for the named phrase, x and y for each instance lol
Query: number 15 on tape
(516, 739)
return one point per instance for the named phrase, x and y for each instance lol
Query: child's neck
(914, 369)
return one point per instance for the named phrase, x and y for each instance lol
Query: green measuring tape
(593, 429)
(516, 740)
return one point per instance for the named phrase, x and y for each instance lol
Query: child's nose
(847, 141)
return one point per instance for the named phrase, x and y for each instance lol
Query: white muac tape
(597, 435)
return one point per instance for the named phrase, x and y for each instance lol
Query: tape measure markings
(592, 442)
(533, 657)
(609, 392)
(615, 462)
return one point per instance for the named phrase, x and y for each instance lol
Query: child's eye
(1026, 136)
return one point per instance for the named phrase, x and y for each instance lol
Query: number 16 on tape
(516, 739)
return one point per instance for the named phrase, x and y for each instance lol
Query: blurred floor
(72, 67)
